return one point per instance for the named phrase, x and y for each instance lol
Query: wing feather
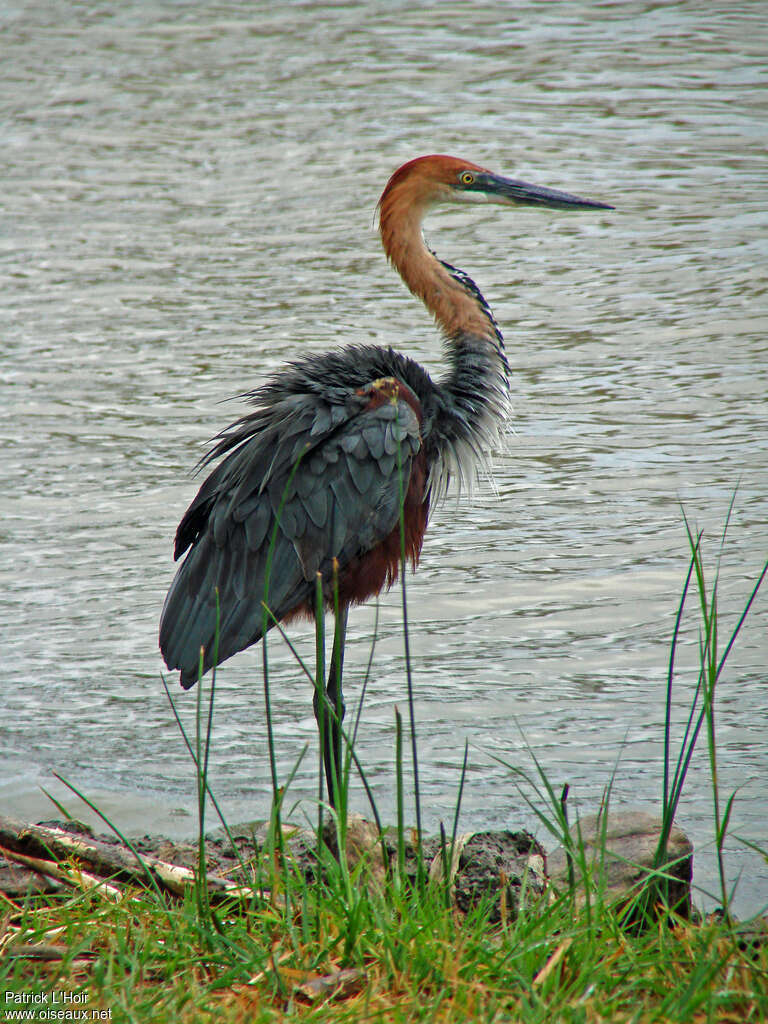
(329, 468)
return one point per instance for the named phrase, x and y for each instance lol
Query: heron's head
(431, 180)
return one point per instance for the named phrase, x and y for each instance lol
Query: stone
(631, 841)
(496, 865)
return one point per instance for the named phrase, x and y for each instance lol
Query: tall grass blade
(319, 685)
(275, 816)
(211, 794)
(340, 777)
(399, 792)
(407, 649)
(276, 828)
(711, 666)
(670, 677)
(123, 839)
(367, 675)
(742, 617)
(462, 780)
(203, 749)
(59, 806)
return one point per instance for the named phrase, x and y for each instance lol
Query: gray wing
(280, 508)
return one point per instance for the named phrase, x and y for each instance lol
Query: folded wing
(303, 483)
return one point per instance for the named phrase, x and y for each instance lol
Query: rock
(73, 825)
(250, 838)
(363, 842)
(484, 865)
(631, 841)
(496, 865)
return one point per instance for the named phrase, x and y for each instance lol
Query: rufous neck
(456, 308)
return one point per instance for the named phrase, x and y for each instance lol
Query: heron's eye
(467, 178)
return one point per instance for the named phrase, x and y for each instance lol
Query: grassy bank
(347, 946)
(335, 951)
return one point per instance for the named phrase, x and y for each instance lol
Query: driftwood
(43, 847)
(51, 869)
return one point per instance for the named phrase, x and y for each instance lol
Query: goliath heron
(314, 478)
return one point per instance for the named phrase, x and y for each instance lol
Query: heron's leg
(333, 711)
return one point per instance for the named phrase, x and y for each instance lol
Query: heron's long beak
(520, 193)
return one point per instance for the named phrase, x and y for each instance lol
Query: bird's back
(311, 475)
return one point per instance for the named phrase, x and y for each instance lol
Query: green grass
(155, 960)
(409, 955)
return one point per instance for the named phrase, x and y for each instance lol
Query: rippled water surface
(188, 196)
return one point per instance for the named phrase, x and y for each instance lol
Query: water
(188, 198)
